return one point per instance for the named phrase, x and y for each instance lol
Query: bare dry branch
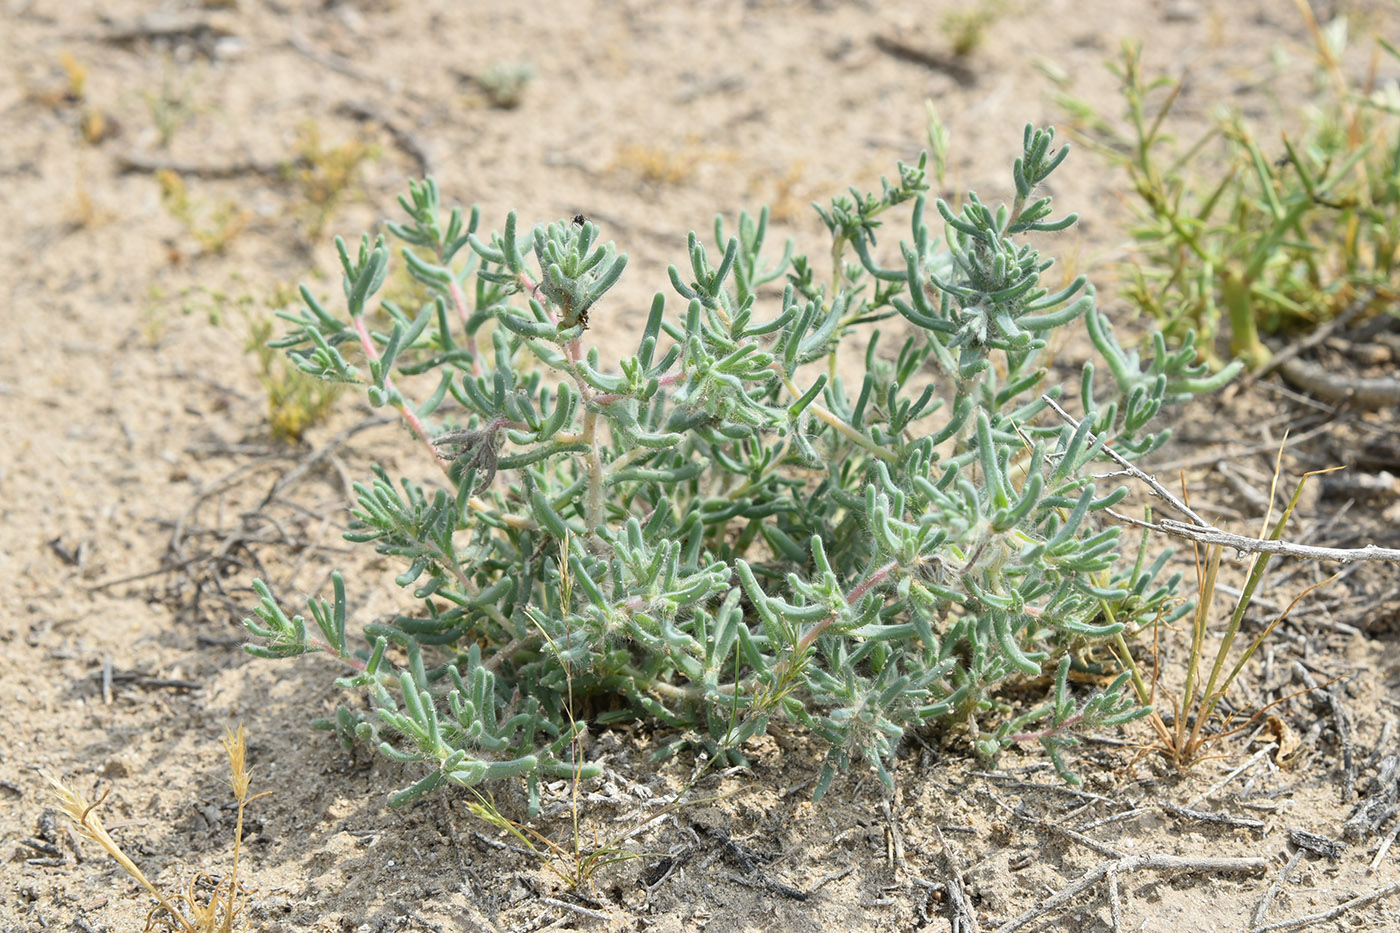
(1145, 861)
(1203, 532)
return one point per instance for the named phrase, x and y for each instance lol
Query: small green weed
(212, 225)
(504, 83)
(325, 176)
(967, 29)
(1197, 723)
(173, 106)
(295, 400)
(1287, 235)
(753, 538)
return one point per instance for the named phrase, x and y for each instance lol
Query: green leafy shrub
(295, 400)
(1286, 235)
(721, 532)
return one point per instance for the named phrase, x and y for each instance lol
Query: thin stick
(894, 849)
(406, 141)
(957, 897)
(1203, 532)
(1360, 303)
(1070, 834)
(1115, 910)
(1133, 863)
(1262, 909)
(1115, 818)
(1382, 743)
(497, 844)
(1207, 817)
(1157, 488)
(320, 453)
(1380, 803)
(1019, 784)
(1365, 392)
(1385, 847)
(1300, 922)
(468, 885)
(1248, 545)
(336, 63)
(1237, 453)
(948, 64)
(576, 908)
(1343, 721)
(139, 162)
(764, 883)
(1254, 760)
(837, 875)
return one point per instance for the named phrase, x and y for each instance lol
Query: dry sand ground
(129, 421)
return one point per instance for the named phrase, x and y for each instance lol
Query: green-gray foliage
(720, 532)
(1282, 233)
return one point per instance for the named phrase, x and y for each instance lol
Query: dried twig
(1364, 392)
(1116, 818)
(1115, 909)
(1243, 489)
(1316, 843)
(145, 574)
(139, 162)
(1070, 834)
(1322, 424)
(660, 873)
(1205, 795)
(320, 453)
(1205, 816)
(1203, 532)
(1300, 922)
(498, 844)
(1247, 545)
(576, 908)
(957, 896)
(1343, 723)
(1262, 909)
(470, 885)
(1144, 861)
(840, 873)
(148, 681)
(1384, 848)
(166, 25)
(1380, 801)
(894, 845)
(763, 883)
(337, 63)
(1019, 784)
(1382, 742)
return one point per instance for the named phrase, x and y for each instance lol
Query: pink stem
(1037, 736)
(533, 287)
(853, 597)
(354, 662)
(409, 416)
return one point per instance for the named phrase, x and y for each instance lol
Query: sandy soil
(138, 480)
